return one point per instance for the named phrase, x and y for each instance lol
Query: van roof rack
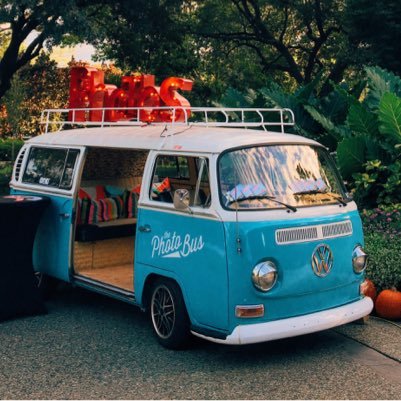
(57, 119)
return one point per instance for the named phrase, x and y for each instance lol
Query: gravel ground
(91, 347)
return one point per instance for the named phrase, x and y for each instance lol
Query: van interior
(107, 204)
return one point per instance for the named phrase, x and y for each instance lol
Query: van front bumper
(296, 326)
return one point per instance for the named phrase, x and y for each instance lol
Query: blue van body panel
(190, 250)
(298, 290)
(51, 250)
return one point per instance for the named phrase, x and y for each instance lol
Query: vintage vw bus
(232, 233)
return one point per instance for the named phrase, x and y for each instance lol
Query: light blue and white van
(225, 230)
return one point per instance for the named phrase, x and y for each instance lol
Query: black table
(19, 218)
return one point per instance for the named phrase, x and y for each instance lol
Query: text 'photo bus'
(224, 227)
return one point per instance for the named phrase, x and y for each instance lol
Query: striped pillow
(106, 209)
(130, 200)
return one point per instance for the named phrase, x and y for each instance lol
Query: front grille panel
(337, 230)
(313, 233)
(296, 235)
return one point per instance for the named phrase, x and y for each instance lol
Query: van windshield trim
(340, 197)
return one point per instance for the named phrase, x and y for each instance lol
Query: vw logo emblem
(322, 260)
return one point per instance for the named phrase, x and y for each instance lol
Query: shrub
(384, 266)
(5, 177)
(385, 220)
(9, 149)
(383, 244)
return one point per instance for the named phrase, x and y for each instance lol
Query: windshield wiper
(318, 191)
(260, 197)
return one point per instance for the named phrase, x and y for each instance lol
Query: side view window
(51, 167)
(181, 172)
(172, 167)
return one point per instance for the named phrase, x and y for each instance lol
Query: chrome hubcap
(39, 278)
(163, 311)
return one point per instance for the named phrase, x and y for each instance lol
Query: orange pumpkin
(369, 290)
(388, 304)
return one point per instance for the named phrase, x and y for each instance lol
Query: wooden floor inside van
(117, 276)
(109, 261)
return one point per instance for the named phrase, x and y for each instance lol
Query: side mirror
(181, 199)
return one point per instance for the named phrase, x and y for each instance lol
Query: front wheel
(169, 315)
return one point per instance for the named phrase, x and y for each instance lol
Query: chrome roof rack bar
(55, 119)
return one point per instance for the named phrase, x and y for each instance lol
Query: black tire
(46, 284)
(168, 315)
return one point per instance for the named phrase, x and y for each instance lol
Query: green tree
(238, 43)
(35, 87)
(227, 43)
(376, 27)
(48, 21)
(152, 38)
(14, 115)
(299, 38)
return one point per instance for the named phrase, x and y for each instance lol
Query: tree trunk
(8, 64)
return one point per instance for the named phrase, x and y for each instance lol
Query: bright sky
(62, 55)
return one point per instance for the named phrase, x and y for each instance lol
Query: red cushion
(163, 186)
(100, 192)
(82, 194)
(137, 189)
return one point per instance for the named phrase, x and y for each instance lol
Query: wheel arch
(147, 289)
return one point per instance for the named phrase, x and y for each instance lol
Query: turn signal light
(249, 311)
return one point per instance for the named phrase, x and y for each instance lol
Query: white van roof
(172, 138)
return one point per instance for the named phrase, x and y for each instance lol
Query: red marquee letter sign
(80, 87)
(88, 90)
(170, 96)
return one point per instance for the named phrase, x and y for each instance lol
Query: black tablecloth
(19, 219)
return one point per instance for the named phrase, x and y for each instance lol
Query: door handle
(145, 229)
(64, 215)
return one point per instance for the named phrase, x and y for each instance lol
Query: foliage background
(333, 62)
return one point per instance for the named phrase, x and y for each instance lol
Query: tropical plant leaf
(358, 89)
(380, 82)
(335, 107)
(276, 96)
(376, 151)
(305, 93)
(362, 121)
(250, 97)
(351, 155)
(349, 97)
(234, 98)
(390, 116)
(326, 123)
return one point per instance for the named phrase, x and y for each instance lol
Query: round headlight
(264, 276)
(359, 259)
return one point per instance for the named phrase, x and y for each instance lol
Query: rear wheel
(169, 315)
(45, 284)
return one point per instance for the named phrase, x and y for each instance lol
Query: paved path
(89, 346)
(380, 334)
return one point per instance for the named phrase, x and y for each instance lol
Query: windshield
(263, 176)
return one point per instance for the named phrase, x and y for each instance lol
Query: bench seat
(105, 230)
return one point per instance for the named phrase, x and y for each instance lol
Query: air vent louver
(18, 164)
(313, 233)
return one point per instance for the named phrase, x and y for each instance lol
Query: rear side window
(51, 167)
(181, 172)
(173, 167)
